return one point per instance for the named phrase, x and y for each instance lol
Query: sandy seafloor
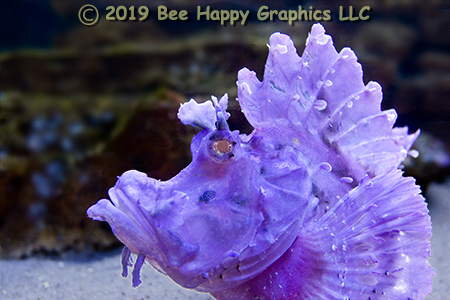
(94, 275)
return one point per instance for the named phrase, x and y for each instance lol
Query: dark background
(80, 105)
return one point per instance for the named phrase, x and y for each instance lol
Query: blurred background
(81, 105)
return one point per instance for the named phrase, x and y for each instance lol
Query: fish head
(224, 218)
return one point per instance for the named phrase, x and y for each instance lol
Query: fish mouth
(129, 215)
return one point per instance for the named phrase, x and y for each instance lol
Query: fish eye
(221, 147)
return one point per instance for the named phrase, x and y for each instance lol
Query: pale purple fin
(376, 240)
(323, 95)
(373, 244)
(125, 260)
(137, 269)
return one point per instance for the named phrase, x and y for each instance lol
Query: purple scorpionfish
(310, 205)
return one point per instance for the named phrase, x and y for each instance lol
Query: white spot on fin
(282, 49)
(391, 117)
(320, 104)
(346, 179)
(401, 286)
(295, 97)
(246, 87)
(325, 167)
(322, 39)
(413, 153)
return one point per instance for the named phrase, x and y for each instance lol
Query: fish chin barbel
(310, 205)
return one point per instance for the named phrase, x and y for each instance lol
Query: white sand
(438, 196)
(84, 276)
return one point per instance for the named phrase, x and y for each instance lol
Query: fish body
(310, 205)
